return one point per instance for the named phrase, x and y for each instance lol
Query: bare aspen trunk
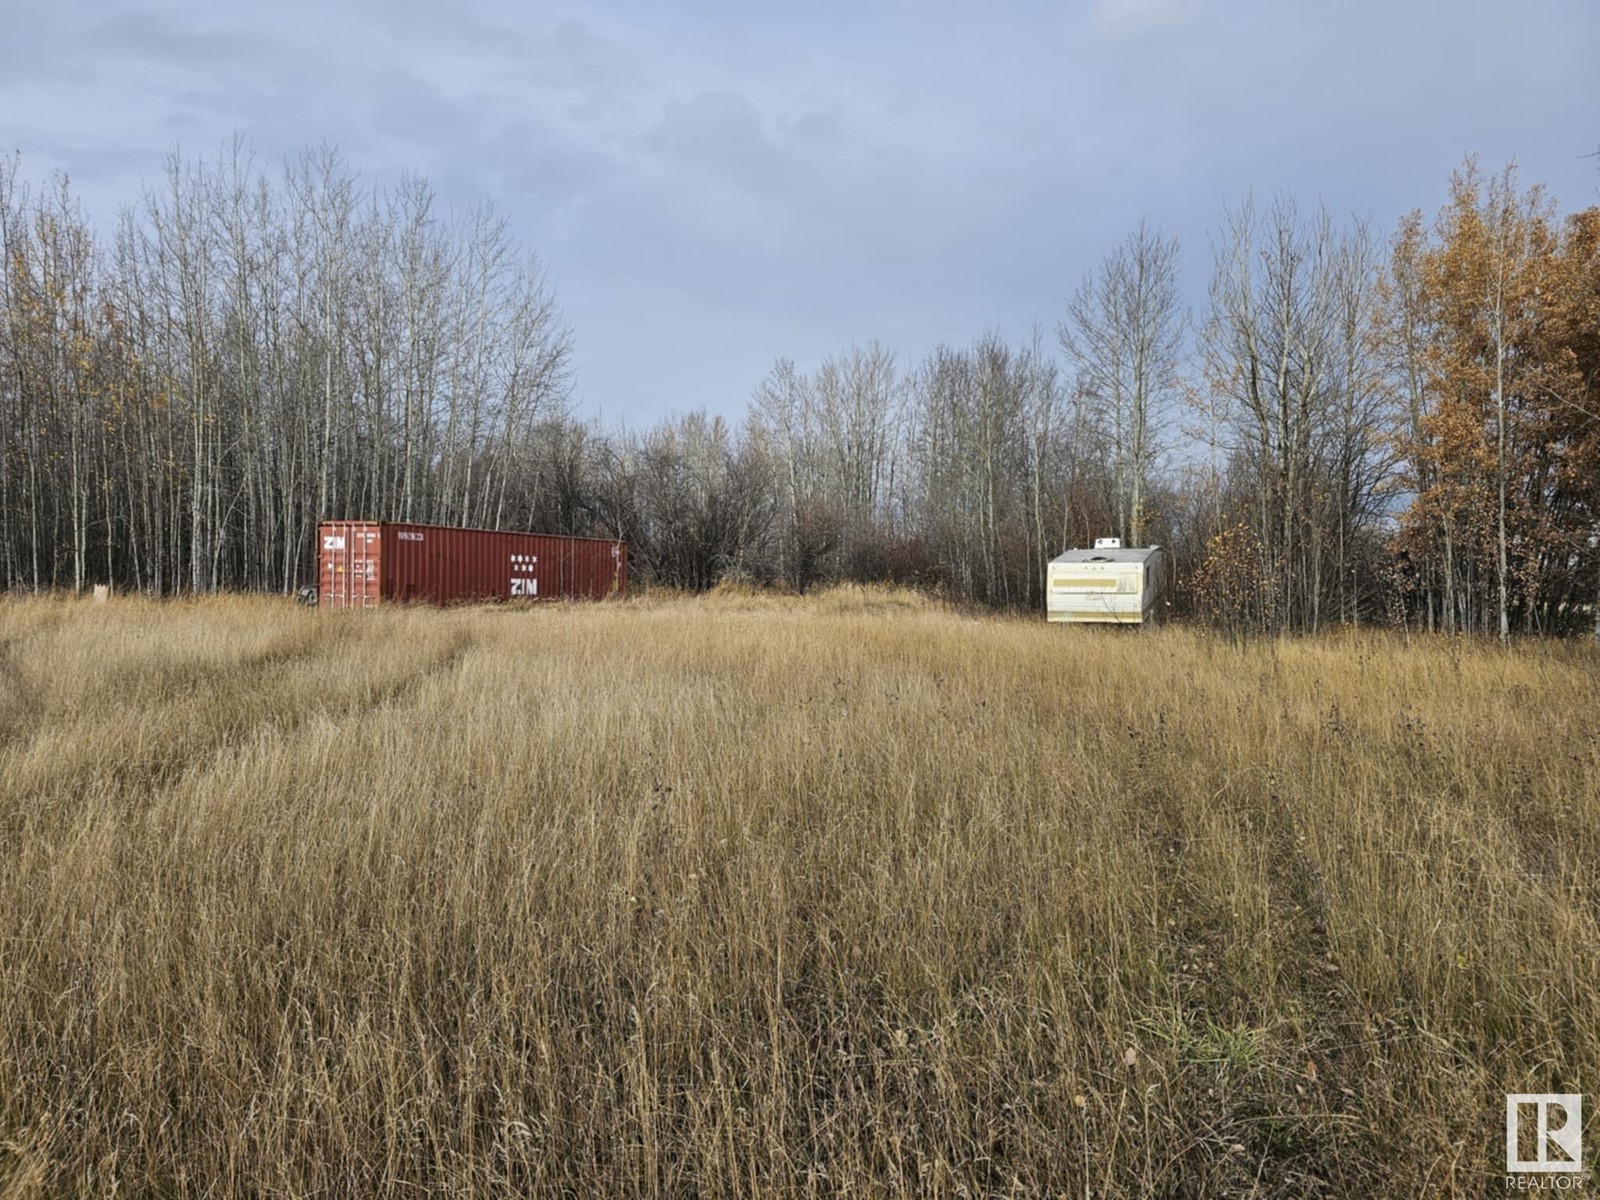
(1500, 459)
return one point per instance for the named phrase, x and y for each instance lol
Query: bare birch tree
(1124, 335)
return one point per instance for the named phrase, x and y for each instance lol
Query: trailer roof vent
(1108, 543)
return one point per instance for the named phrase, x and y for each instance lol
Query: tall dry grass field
(851, 895)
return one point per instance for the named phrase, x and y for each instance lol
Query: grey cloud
(756, 182)
(573, 54)
(1141, 18)
(413, 110)
(38, 46)
(717, 135)
(542, 165)
(159, 39)
(802, 210)
(816, 129)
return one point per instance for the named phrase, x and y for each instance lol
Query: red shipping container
(365, 563)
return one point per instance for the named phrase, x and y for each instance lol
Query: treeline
(183, 400)
(1350, 430)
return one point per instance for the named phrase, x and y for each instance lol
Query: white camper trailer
(1106, 584)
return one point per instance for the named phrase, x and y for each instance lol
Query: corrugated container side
(433, 564)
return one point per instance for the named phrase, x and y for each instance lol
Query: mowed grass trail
(850, 895)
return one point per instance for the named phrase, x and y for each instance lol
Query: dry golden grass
(849, 895)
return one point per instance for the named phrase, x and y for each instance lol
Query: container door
(351, 558)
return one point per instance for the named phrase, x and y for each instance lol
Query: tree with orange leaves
(1494, 323)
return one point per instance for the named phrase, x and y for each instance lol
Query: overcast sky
(713, 185)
